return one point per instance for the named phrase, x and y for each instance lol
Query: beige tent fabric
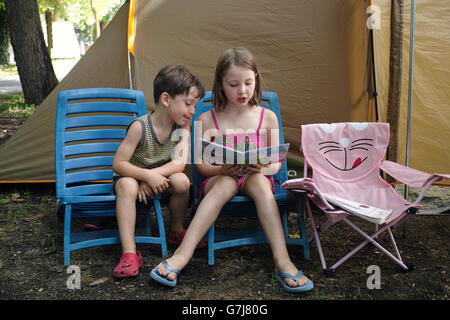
(311, 53)
(29, 154)
(430, 126)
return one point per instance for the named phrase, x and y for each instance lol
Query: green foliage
(4, 35)
(14, 105)
(81, 13)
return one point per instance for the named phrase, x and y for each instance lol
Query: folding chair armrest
(410, 176)
(306, 184)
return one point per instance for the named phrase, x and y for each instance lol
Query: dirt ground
(31, 260)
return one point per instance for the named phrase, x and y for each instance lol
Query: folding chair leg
(372, 241)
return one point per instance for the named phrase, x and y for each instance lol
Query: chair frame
(86, 193)
(243, 206)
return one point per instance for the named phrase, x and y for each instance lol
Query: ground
(31, 259)
(31, 262)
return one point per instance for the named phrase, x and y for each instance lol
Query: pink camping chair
(346, 159)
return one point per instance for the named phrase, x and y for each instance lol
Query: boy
(143, 165)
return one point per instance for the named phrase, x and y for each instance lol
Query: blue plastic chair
(243, 206)
(90, 125)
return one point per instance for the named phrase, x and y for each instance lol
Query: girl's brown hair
(239, 57)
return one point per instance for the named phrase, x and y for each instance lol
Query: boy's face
(181, 108)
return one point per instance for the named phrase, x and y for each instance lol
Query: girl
(236, 94)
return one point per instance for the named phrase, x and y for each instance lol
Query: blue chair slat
(93, 175)
(91, 121)
(243, 206)
(101, 106)
(83, 169)
(91, 189)
(104, 93)
(94, 134)
(88, 162)
(86, 148)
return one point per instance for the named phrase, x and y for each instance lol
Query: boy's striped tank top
(150, 152)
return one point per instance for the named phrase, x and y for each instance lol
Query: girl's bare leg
(259, 188)
(218, 191)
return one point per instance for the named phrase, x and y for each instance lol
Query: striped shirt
(150, 152)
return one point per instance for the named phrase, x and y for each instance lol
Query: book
(215, 153)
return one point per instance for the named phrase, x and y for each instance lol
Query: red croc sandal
(176, 238)
(129, 265)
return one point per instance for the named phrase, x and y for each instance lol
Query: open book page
(212, 152)
(361, 210)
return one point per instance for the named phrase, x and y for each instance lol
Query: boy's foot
(177, 238)
(129, 265)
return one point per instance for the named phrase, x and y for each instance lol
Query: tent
(315, 54)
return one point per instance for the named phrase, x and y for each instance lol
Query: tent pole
(375, 93)
(129, 70)
(374, 78)
(410, 84)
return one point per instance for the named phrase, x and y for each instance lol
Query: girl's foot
(292, 270)
(175, 263)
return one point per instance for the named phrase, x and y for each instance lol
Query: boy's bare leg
(218, 191)
(178, 202)
(126, 190)
(259, 188)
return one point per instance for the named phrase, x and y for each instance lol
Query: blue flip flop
(306, 287)
(163, 280)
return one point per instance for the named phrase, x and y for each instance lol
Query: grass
(13, 105)
(8, 70)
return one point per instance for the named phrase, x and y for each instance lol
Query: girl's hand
(255, 168)
(231, 170)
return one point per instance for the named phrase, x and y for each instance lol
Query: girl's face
(239, 85)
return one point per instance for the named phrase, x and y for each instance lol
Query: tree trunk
(30, 51)
(49, 24)
(96, 23)
(4, 38)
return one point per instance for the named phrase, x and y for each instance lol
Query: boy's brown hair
(239, 57)
(175, 80)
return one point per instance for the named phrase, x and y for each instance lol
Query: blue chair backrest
(269, 101)
(90, 125)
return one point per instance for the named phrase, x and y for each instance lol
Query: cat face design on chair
(346, 150)
(345, 154)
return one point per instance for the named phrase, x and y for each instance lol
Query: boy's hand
(231, 170)
(153, 184)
